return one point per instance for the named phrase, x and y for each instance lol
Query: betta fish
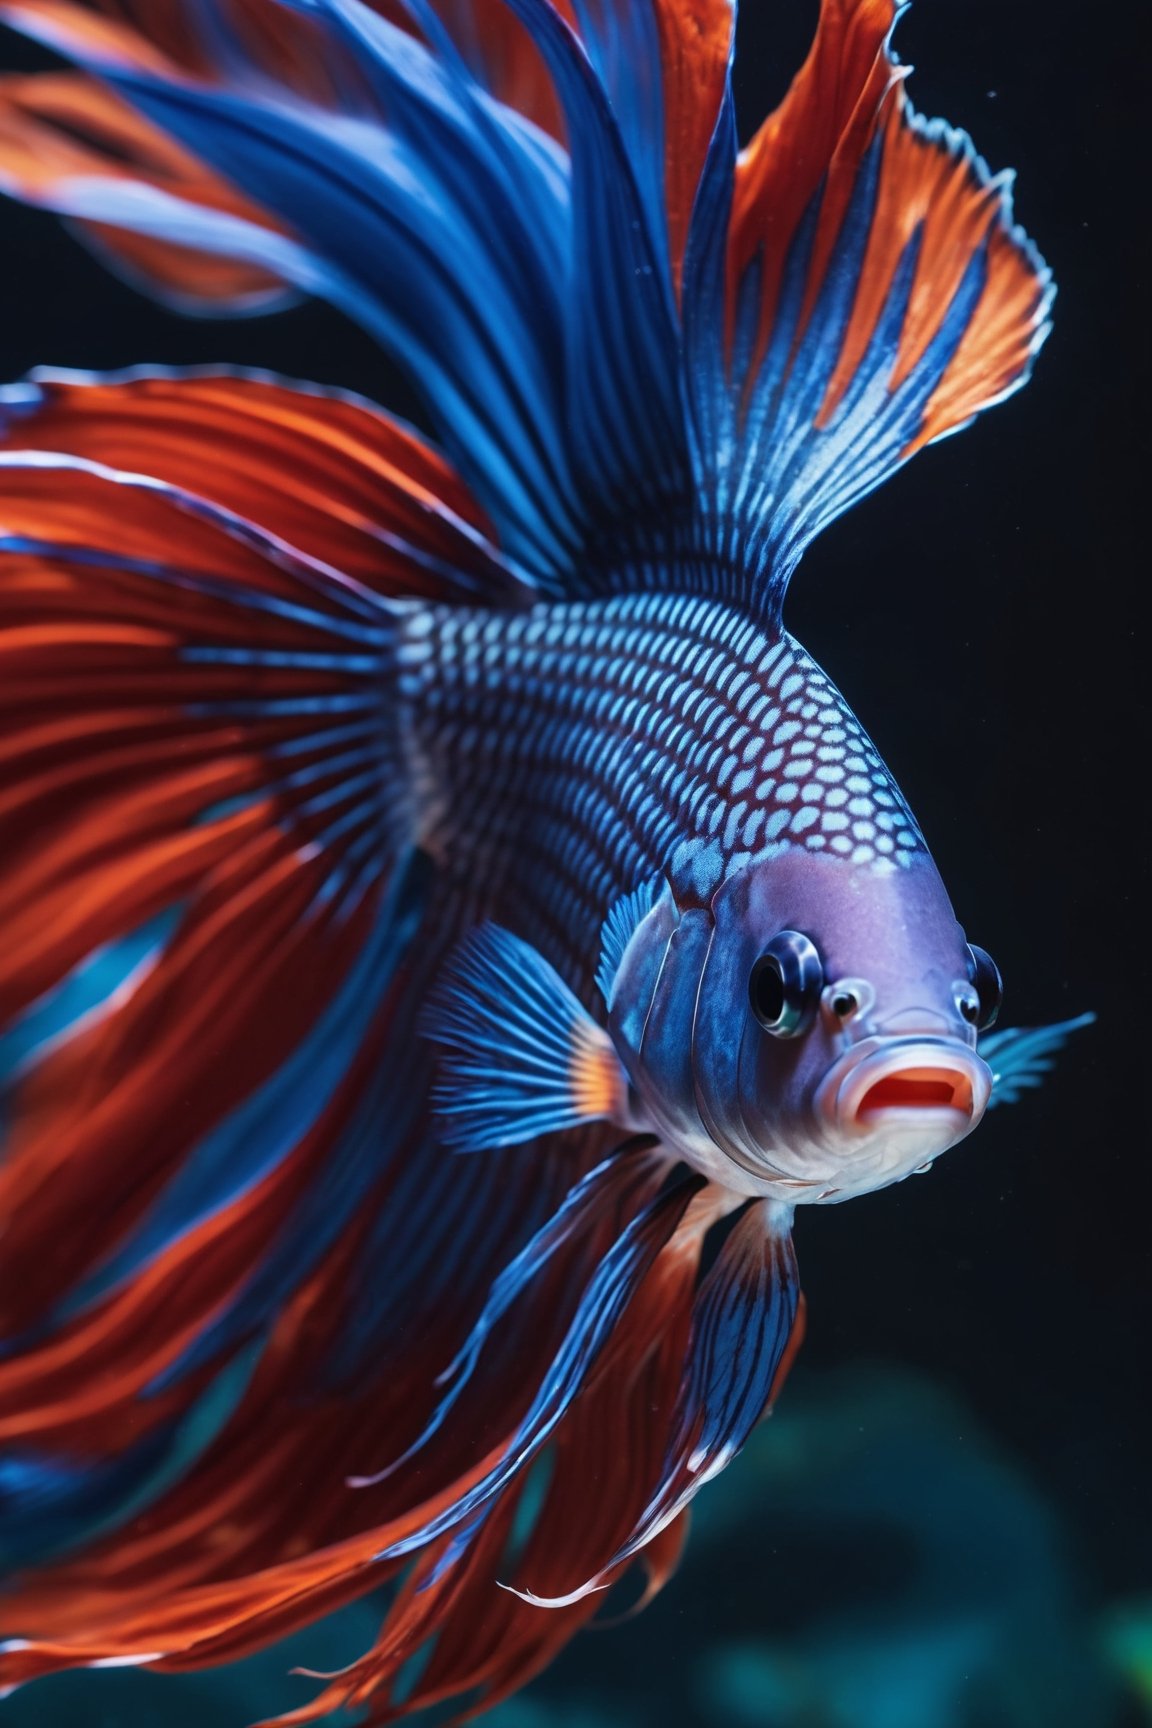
(450, 924)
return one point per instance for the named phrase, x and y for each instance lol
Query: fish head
(810, 1033)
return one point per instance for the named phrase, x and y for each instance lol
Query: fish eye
(785, 985)
(984, 976)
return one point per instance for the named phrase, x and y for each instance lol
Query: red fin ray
(342, 481)
(59, 127)
(808, 155)
(189, 739)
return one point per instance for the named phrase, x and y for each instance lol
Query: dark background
(979, 612)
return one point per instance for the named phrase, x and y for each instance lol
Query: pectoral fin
(522, 1055)
(1021, 1056)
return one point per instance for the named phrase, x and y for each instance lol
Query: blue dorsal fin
(522, 1055)
(1021, 1056)
(624, 918)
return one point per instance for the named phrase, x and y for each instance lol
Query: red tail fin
(202, 819)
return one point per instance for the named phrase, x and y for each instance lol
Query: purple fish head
(810, 1034)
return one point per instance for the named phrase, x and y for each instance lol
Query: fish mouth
(917, 1089)
(929, 1090)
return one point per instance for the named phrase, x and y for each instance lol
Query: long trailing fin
(624, 1182)
(659, 359)
(743, 1321)
(216, 908)
(209, 846)
(578, 1501)
(613, 1284)
(874, 294)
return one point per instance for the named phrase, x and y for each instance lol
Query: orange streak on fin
(929, 182)
(822, 127)
(932, 188)
(695, 42)
(596, 1076)
(59, 126)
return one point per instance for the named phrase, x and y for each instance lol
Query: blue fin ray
(624, 918)
(1020, 1056)
(620, 1180)
(522, 1055)
(742, 1319)
(92, 987)
(614, 1282)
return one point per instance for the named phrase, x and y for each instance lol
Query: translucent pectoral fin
(1021, 1056)
(523, 1057)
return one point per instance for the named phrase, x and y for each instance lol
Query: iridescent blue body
(567, 755)
(570, 751)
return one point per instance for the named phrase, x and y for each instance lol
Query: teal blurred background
(874, 1560)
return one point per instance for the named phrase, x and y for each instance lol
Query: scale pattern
(572, 751)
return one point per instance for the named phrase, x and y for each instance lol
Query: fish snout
(926, 1090)
(928, 1023)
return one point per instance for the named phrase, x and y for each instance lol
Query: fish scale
(681, 735)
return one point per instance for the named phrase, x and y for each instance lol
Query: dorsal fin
(875, 294)
(658, 360)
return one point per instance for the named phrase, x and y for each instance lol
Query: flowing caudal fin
(218, 921)
(691, 1368)
(591, 1468)
(743, 1326)
(210, 889)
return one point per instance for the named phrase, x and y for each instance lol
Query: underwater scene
(497, 973)
(883, 1564)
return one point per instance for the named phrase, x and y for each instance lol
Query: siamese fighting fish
(449, 923)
